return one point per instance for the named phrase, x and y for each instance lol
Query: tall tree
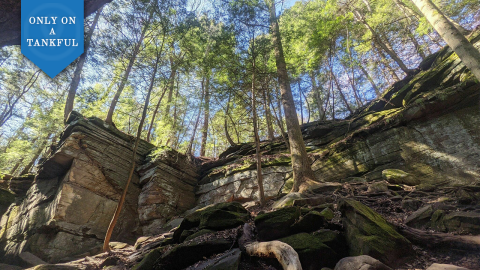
(72, 91)
(131, 61)
(301, 164)
(469, 55)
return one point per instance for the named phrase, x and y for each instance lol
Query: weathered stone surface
(229, 261)
(242, 186)
(368, 233)
(67, 210)
(395, 176)
(276, 224)
(310, 222)
(184, 254)
(214, 217)
(362, 262)
(438, 266)
(168, 183)
(6, 199)
(9, 267)
(313, 250)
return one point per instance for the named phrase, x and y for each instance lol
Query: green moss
(288, 186)
(149, 261)
(199, 233)
(221, 219)
(281, 216)
(327, 213)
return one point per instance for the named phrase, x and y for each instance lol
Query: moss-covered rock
(309, 222)
(6, 198)
(214, 217)
(222, 219)
(327, 213)
(276, 224)
(183, 255)
(229, 261)
(368, 233)
(462, 222)
(197, 234)
(312, 250)
(395, 176)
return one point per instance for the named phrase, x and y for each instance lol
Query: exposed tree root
(435, 240)
(284, 253)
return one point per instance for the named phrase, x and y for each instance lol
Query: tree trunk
(385, 62)
(261, 194)
(341, 93)
(118, 210)
(190, 145)
(133, 57)
(469, 55)
(150, 127)
(78, 68)
(268, 114)
(354, 88)
(171, 85)
(372, 83)
(227, 135)
(376, 38)
(206, 117)
(301, 164)
(318, 98)
(39, 151)
(301, 102)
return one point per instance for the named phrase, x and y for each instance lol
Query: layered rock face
(67, 209)
(168, 189)
(427, 125)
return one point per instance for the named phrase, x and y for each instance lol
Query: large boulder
(362, 262)
(185, 254)
(214, 218)
(319, 250)
(368, 233)
(276, 224)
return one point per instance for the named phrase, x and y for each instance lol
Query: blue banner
(52, 33)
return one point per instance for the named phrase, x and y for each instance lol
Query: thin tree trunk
(301, 164)
(133, 58)
(206, 116)
(268, 114)
(318, 98)
(301, 102)
(341, 93)
(261, 194)
(227, 135)
(171, 85)
(118, 210)
(469, 55)
(354, 88)
(376, 38)
(387, 65)
(150, 127)
(78, 68)
(190, 145)
(280, 125)
(308, 107)
(372, 83)
(39, 151)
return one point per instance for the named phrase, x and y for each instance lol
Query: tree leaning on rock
(469, 55)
